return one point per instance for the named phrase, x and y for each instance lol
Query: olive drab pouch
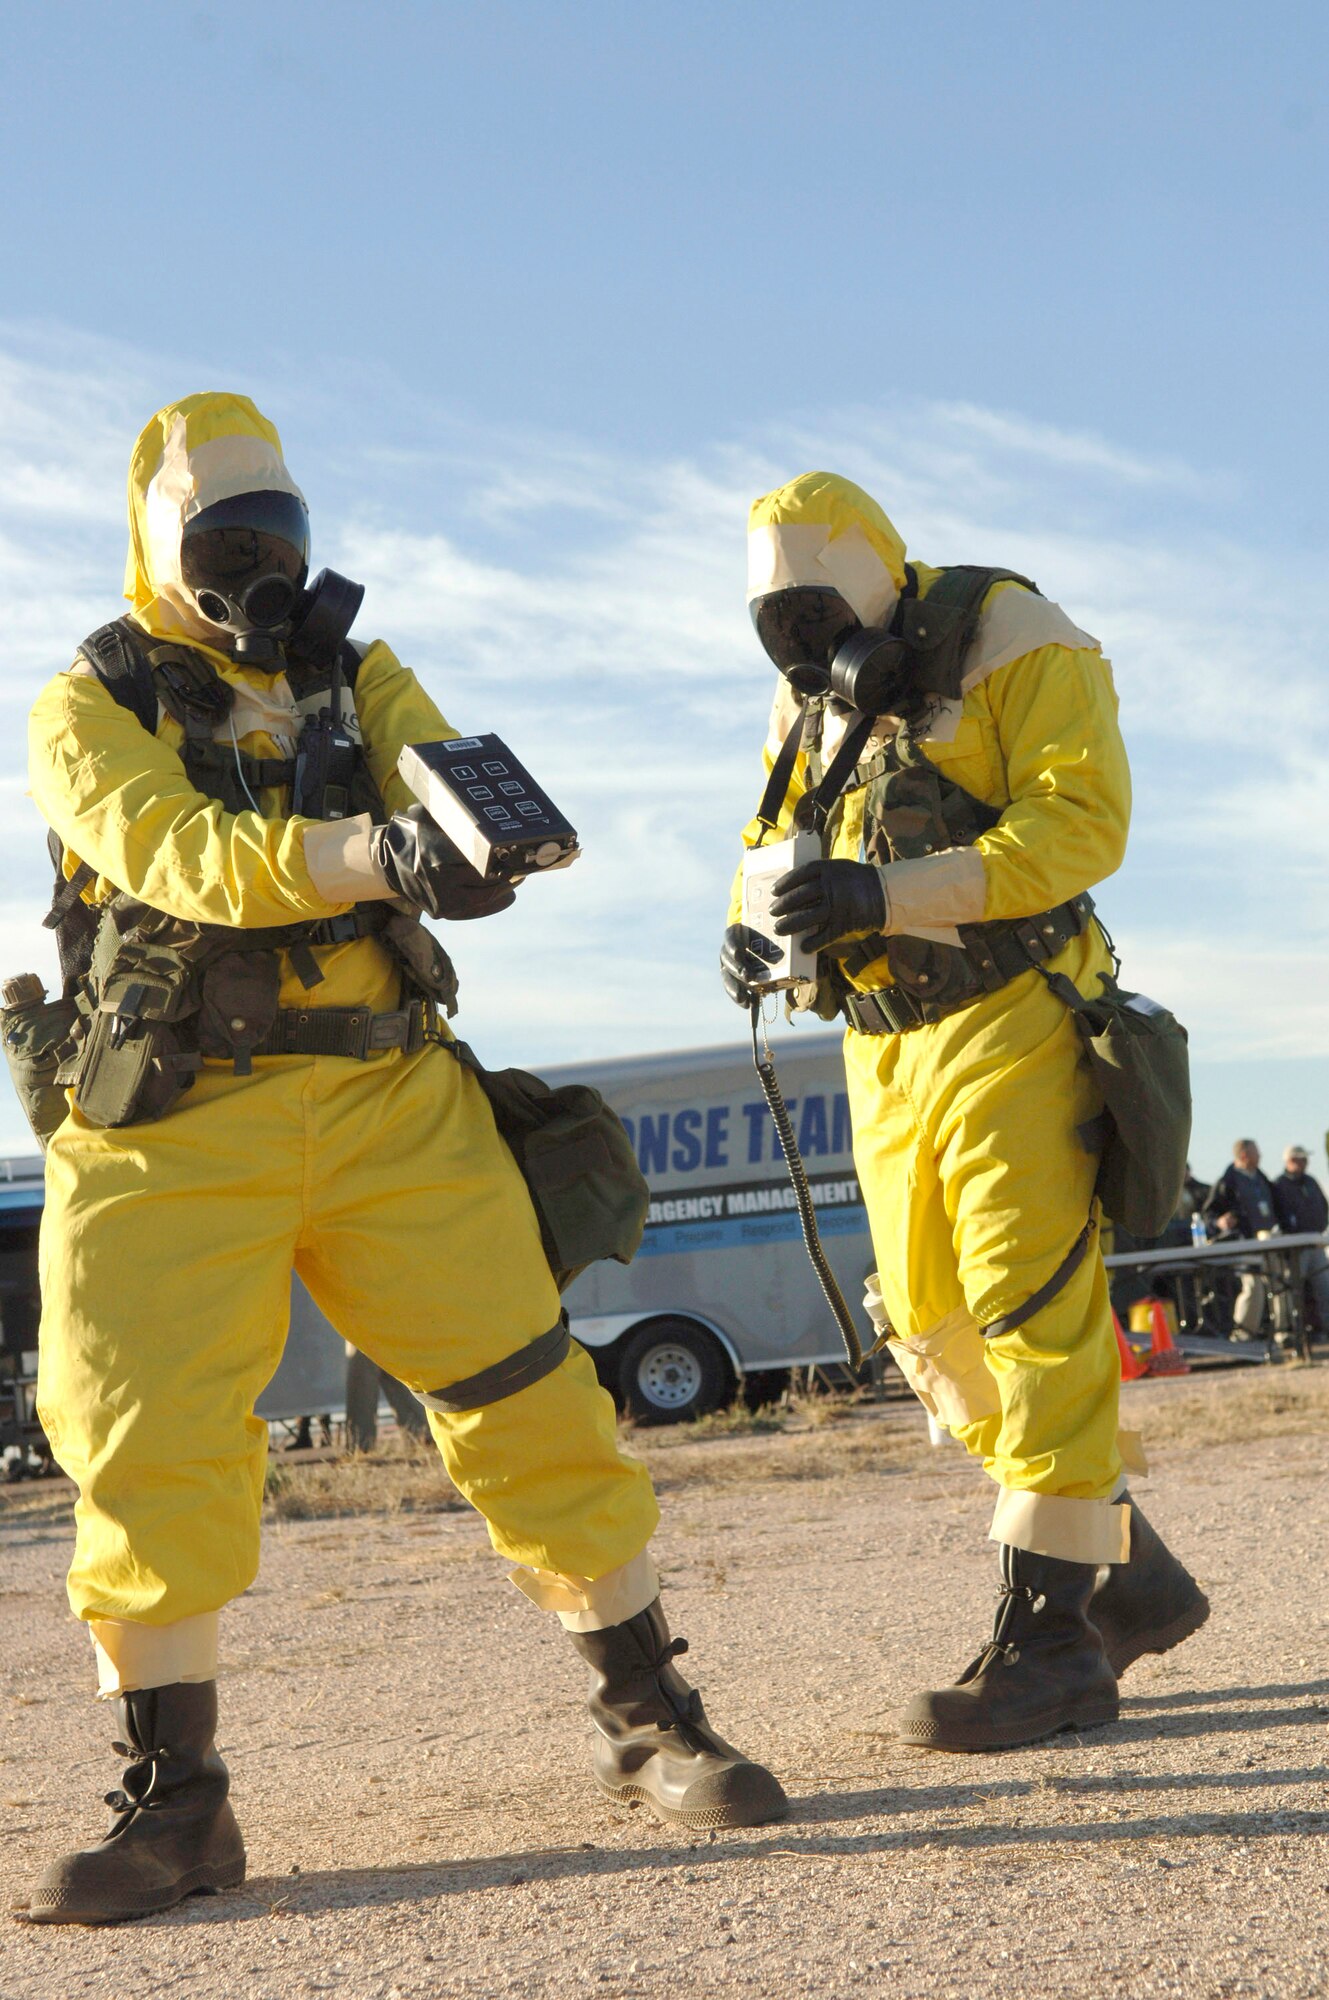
(423, 958)
(132, 1063)
(577, 1161)
(238, 995)
(1138, 1053)
(37, 1035)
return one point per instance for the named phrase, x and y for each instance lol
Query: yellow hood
(821, 529)
(200, 450)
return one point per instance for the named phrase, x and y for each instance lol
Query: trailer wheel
(672, 1370)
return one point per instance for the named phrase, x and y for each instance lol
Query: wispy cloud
(590, 607)
(1077, 451)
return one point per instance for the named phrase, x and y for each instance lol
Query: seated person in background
(1302, 1210)
(1241, 1203)
(1299, 1202)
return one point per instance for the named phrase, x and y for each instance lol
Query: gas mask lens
(245, 560)
(800, 628)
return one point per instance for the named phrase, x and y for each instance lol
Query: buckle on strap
(356, 1032)
(885, 1012)
(338, 930)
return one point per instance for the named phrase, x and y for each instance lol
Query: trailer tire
(672, 1371)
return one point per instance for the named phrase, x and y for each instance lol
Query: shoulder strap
(782, 771)
(815, 807)
(940, 628)
(308, 677)
(818, 807)
(117, 655)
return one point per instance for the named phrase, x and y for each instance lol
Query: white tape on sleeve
(584, 1604)
(131, 1656)
(1047, 1524)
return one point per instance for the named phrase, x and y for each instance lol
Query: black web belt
(505, 1378)
(998, 953)
(349, 1031)
(1045, 1294)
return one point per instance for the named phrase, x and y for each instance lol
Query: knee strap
(1045, 1294)
(504, 1378)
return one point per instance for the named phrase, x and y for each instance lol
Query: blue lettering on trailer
(753, 1213)
(751, 1229)
(717, 1136)
(686, 1156)
(693, 1137)
(653, 1144)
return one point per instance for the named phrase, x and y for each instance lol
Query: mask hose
(798, 1177)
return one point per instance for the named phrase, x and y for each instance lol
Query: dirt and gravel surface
(408, 1754)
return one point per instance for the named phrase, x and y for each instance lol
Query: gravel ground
(408, 1757)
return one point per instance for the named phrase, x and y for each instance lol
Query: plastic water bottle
(1199, 1234)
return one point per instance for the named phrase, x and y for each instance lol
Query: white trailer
(721, 1289)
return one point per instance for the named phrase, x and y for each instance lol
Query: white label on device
(788, 960)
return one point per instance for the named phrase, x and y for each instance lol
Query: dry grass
(734, 1421)
(405, 1477)
(36, 1503)
(1226, 1406)
(805, 1438)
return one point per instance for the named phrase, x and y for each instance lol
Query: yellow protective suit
(167, 1247)
(976, 1181)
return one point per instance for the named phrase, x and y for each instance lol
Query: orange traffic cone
(1165, 1357)
(1132, 1367)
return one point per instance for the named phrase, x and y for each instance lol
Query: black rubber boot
(652, 1739)
(174, 1831)
(1043, 1669)
(1149, 1604)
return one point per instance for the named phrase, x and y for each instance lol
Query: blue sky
(541, 296)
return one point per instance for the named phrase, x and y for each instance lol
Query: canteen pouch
(132, 1066)
(1137, 1051)
(36, 1037)
(238, 995)
(577, 1161)
(425, 962)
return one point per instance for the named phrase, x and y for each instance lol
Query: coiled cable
(798, 1177)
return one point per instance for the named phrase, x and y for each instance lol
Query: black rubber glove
(420, 863)
(742, 960)
(827, 902)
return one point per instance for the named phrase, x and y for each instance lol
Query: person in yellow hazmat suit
(952, 738)
(265, 1082)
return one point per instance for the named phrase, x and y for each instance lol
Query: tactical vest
(913, 809)
(152, 995)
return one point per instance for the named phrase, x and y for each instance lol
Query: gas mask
(822, 648)
(244, 562)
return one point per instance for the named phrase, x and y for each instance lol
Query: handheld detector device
(788, 960)
(489, 806)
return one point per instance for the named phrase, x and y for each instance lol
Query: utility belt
(988, 957)
(356, 1032)
(163, 998)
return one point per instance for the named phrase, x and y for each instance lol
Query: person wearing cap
(1302, 1210)
(1241, 1204)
